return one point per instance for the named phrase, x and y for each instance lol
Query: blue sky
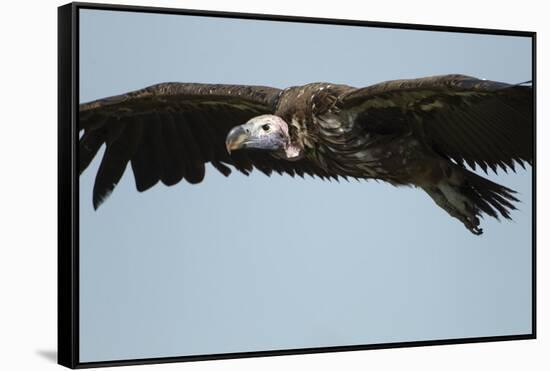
(260, 263)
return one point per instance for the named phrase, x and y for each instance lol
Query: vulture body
(427, 132)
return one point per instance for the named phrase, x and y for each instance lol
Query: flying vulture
(429, 133)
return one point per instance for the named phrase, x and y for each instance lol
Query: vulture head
(266, 133)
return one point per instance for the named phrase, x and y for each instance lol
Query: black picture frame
(68, 191)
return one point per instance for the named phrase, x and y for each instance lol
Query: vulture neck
(292, 152)
(294, 148)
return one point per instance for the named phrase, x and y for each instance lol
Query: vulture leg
(456, 205)
(467, 196)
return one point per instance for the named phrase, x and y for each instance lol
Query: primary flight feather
(423, 132)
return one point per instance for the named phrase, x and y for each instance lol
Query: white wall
(28, 183)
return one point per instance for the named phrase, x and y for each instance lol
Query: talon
(477, 231)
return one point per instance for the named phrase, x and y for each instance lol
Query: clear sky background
(262, 263)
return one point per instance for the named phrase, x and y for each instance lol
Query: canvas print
(258, 185)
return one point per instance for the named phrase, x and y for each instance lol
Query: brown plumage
(421, 132)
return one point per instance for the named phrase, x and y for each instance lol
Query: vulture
(430, 133)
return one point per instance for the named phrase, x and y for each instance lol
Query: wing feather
(120, 148)
(173, 161)
(145, 162)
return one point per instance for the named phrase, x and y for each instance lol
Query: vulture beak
(236, 139)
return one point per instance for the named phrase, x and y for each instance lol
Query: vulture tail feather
(499, 197)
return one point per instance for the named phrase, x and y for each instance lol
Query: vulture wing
(479, 122)
(169, 131)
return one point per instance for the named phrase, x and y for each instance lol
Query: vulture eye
(265, 127)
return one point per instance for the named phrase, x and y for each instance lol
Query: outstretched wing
(479, 122)
(169, 131)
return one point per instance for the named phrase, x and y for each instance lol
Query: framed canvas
(237, 185)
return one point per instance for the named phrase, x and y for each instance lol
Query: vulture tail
(489, 197)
